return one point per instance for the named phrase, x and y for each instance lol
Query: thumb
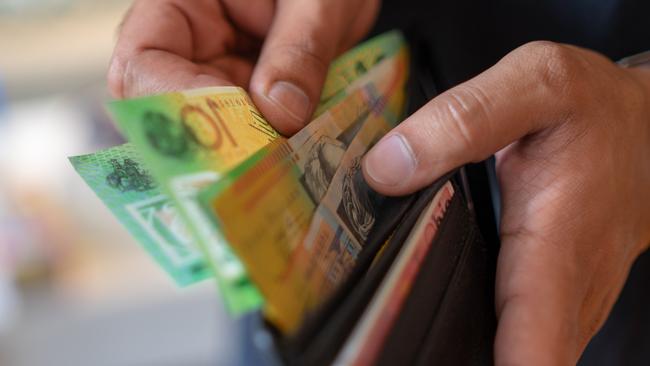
(290, 73)
(476, 119)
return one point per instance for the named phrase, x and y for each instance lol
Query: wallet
(406, 301)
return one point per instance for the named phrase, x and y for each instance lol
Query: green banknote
(188, 140)
(120, 179)
(350, 66)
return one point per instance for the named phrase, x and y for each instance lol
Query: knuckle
(127, 77)
(556, 67)
(115, 77)
(466, 110)
(635, 98)
(304, 51)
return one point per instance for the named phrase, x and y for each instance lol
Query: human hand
(572, 132)
(279, 50)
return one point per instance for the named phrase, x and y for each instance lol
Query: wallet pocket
(325, 330)
(448, 317)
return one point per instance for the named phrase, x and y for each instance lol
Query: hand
(279, 49)
(572, 132)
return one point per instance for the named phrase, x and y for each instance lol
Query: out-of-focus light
(35, 140)
(3, 99)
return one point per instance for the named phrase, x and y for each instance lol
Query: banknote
(355, 63)
(119, 178)
(348, 196)
(364, 342)
(347, 212)
(363, 96)
(265, 205)
(188, 140)
(344, 217)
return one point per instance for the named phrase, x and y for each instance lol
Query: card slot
(463, 330)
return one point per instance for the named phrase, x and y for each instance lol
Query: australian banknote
(265, 206)
(187, 141)
(122, 182)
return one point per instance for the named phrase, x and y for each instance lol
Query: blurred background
(75, 289)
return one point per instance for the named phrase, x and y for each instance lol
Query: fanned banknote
(346, 213)
(265, 206)
(122, 182)
(189, 140)
(355, 63)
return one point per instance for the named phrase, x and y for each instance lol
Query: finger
(154, 72)
(304, 37)
(252, 17)
(477, 118)
(150, 30)
(171, 44)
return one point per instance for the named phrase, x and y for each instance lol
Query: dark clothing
(464, 37)
(468, 36)
(625, 338)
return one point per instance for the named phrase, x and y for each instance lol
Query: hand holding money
(208, 186)
(278, 50)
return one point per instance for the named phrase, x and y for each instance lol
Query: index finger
(167, 45)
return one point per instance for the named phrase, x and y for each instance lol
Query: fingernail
(291, 99)
(391, 161)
